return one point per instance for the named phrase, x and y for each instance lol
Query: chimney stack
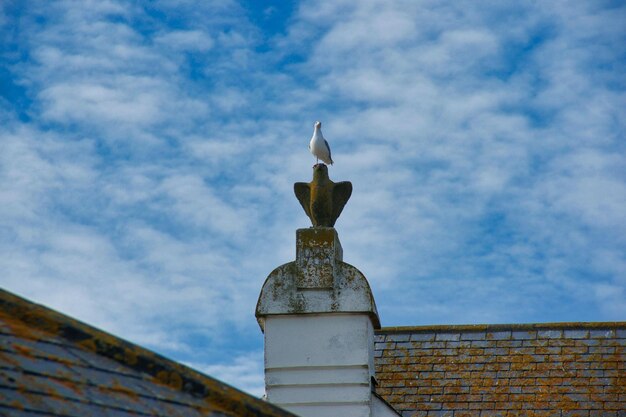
(318, 317)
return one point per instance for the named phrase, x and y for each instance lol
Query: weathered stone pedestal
(318, 316)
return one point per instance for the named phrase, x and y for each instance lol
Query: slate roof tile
(51, 364)
(560, 369)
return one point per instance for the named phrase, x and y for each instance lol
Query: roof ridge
(497, 327)
(164, 371)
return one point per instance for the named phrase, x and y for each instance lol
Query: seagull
(318, 145)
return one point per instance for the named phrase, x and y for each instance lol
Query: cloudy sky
(148, 151)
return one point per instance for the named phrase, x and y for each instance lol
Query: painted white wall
(320, 364)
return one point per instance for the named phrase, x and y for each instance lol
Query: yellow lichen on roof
(25, 320)
(505, 370)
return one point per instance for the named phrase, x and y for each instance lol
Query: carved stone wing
(303, 194)
(341, 194)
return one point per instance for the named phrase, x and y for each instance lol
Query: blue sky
(148, 152)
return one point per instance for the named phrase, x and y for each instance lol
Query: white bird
(318, 145)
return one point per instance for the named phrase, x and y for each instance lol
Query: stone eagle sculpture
(322, 199)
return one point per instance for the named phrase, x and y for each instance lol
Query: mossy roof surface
(543, 369)
(51, 364)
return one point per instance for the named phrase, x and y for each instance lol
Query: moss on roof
(51, 363)
(543, 369)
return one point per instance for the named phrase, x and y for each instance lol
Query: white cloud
(74, 102)
(245, 371)
(186, 40)
(148, 187)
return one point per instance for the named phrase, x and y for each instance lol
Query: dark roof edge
(500, 327)
(377, 395)
(165, 371)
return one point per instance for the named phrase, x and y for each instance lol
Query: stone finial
(317, 252)
(322, 199)
(317, 282)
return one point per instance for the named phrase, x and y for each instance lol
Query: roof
(550, 369)
(52, 364)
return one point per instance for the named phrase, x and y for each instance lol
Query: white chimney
(318, 317)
